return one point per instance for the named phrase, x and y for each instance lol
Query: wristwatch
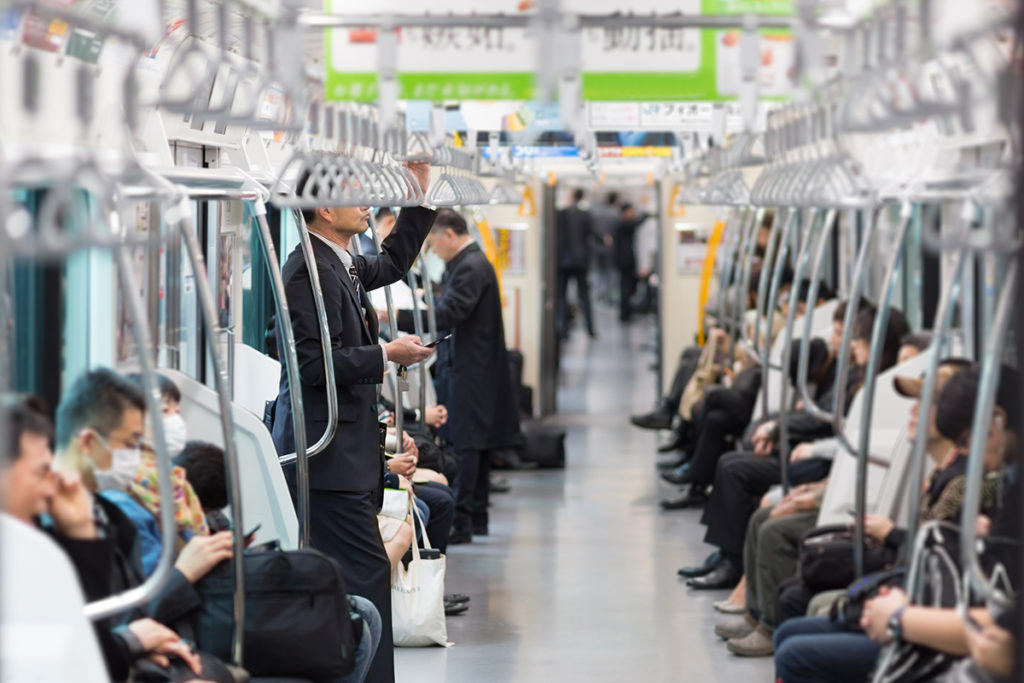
(894, 629)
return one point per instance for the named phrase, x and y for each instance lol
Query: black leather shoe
(674, 444)
(710, 562)
(659, 419)
(452, 608)
(460, 537)
(679, 476)
(479, 530)
(672, 463)
(509, 459)
(725, 576)
(457, 598)
(500, 485)
(693, 498)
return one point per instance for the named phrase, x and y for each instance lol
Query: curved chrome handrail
(773, 294)
(878, 334)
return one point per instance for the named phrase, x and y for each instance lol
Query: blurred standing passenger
(625, 257)
(606, 217)
(474, 381)
(575, 234)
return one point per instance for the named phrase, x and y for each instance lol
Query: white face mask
(176, 433)
(124, 464)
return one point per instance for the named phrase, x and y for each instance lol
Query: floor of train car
(577, 581)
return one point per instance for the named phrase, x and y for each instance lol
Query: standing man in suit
(575, 238)
(345, 480)
(625, 257)
(474, 380)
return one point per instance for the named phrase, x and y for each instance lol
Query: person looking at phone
(473, 380)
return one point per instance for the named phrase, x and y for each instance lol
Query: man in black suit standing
(576, 237)
(345, 479)
(625, 257)
(473, 377)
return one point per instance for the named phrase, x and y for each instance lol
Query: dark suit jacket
(351, 461)
(624, 247)
(575, 238)
(473, 376)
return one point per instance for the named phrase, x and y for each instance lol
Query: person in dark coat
(346, 479)
(473, 377)
(576, 235)
(625, 256)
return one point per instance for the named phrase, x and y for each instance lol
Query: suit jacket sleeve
(353, 364)
(398, 251)
(460, 297)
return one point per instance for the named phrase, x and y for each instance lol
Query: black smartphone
(438, 341)
(430, 554)
(252, 531)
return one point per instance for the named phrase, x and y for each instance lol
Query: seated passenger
(30, 491)
(742, 478)
(816, 649)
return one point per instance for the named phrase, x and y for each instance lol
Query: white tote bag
(417, 598)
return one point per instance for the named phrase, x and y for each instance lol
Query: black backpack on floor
(296, 615)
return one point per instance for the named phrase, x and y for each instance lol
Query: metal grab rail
(803, 360)
(943, 323)
(152, 586)
(985, 401)
(762, 342)
(428, 295)
(878, 334)
(422, 368)
(792, 218)
(208, 318)
(742, 295)
(852, 304)
(396, 381)
(291, 364)
(787, 355)
(330, 380)
(728, 254)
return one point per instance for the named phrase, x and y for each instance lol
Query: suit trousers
(770, 559)
(472, 488)
(725, 414)
(740, 481)
(343, 525)
(581, 277)
(627, 288)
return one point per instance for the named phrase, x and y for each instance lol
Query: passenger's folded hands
(992, 648)
(160, 641)
(203, 553)
(804, 451)
(436, 415)
(404, 464)
(877, 526)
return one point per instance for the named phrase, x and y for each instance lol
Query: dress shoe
(457, 598)
(735, 627)
(757, 643)
(679, 476)
(727, 606)
(500, 485)
(673, 462)
(674, 444)
(452, 608)
(659, 419)
(693, 498)
(725, 576)
(509, 459)
(460, 537)
(710, 562)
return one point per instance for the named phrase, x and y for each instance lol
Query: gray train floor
(577, 581)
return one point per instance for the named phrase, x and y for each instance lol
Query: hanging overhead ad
(630, 64)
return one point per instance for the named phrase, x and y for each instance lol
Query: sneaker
(757, 643)
(735, 627)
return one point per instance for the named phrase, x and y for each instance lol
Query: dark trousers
(580, 276)
(815, 650)
(343, 525)
(740, 481)
(725, 414)
(472, 488)
(441, 501)
(627, 288)
(684, 371)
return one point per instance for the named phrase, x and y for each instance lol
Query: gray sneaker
(734, 627)
(758, 643)
(729, 607)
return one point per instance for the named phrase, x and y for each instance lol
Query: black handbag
(849, 607)
(826, 557)
(296, 615)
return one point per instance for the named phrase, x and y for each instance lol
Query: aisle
(577, 581)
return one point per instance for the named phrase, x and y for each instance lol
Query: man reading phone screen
(473, 378)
